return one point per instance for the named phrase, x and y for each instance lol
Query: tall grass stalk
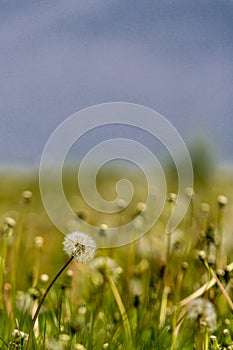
(179, 281)
(18, 238)
(163, 308)
(2, 267)
(220, 257)
(120, 305)
(166, 289)
(38, 244)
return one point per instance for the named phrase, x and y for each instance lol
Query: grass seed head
(79, 245)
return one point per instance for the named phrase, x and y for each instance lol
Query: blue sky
(59, 57)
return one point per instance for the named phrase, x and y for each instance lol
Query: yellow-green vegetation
(163, 291)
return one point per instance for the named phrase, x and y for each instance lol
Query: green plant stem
(36, 267)
(219, 256)
(2, 266)
(18, 235)
(174, 316)
(42, 300)
(166, 289)
(120, 306)
(168, 248)
(163, 308)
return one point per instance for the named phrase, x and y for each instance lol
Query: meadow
(162, 291)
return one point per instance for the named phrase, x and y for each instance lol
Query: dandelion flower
(80, 246)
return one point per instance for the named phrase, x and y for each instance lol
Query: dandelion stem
(43, 298)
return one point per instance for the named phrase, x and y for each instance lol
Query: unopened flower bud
(38, 242)
(27, 195)
(222, 201)
(172, 197)
(10, 222)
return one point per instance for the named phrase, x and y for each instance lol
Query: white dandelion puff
(79, 245)
(203, 310)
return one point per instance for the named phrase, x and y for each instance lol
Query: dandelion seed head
(204, 311)
(80, 246)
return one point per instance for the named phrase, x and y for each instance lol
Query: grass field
(159, 292)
